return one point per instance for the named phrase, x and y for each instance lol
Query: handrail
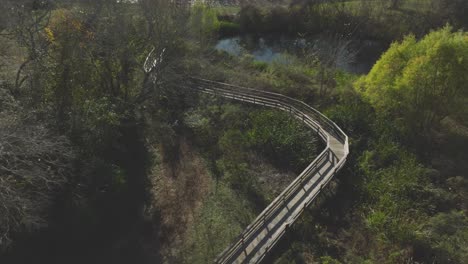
(322, 125)
(270, 95)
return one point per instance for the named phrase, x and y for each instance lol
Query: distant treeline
(383, 20)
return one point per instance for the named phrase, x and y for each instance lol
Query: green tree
(24, 21)
(420, 82)
(204, 21)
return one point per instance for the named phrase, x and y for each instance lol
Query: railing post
(325, 128)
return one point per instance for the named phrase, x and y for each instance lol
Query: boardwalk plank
(262, 234)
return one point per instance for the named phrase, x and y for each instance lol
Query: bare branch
(34, 164)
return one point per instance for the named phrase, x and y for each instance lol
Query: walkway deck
(262, 234)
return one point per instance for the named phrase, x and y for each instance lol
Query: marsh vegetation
(107, 157)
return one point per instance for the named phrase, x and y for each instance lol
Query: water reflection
(231, 46)
(355, 57)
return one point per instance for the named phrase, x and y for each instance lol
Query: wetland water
(352, 56)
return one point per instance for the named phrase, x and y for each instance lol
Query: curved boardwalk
(261, 235)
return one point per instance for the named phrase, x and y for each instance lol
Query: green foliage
(227, 28)
(98, 123)
(222, 218)
(84, 69)
(385, 20)
(328, 260)
(420, 82)
(393, 181)
(352, 114)
(286, 142)
(260, 66)
(290, 76)
(233, 146)
(204, 21)
(398, 200)
(230, 134)
(444, 238)
(282, 139)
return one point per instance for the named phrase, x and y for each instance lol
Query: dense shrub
(285, 141)
(420, 82)
(250, 19)
(444, 239)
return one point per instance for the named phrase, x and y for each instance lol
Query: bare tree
(34, 164)
(330, 54)
(166, 26)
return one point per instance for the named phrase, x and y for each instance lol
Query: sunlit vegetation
(107, 157)
(422, 81)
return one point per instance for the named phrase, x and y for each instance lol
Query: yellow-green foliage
(421, 81)
(204, 20)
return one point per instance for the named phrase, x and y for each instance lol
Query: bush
(420, 82)
(393, 184)
(260, 65)
(285, 141)
(444, 239)
(227, 28)
(250, 19)
(204, 21)
(277, 20)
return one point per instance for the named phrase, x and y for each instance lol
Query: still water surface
(355, 57)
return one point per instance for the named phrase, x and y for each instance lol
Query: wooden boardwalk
(261, 235)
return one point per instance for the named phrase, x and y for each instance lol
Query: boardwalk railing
(332, 158)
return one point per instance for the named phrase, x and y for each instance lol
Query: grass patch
(223, 217)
